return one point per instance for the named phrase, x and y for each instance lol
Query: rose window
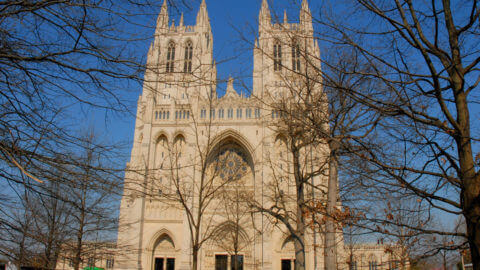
(231, 164)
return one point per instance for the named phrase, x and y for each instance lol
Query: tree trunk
(78, 252)
(470, 195)
(194, 258)
(473, 229)
(330, 241)
(299, 249)
(299, 239)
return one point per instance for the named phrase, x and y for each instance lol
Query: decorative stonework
(178, 113)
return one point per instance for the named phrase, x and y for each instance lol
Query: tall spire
(264, 18)
(162, 20)
(285, 19)
(181, 20)
(202, 16)
(306, 16)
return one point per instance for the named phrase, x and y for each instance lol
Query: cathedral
(205, 170)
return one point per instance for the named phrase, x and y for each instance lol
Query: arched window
(277, 56)
(170, 57)
(187, 67)
(178, 148)
(372, 263)
(353, 265)
(161, 151)
(295, 56)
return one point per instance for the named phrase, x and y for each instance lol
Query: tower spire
(162, 20)
(264, 18)
(306, 16)
(202, 16)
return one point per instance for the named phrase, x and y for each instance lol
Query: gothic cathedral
(204, 169)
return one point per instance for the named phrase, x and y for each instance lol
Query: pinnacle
(264, 7)
(230, 92)
(264, 16)
(305, 5)
(264, 3)
(202, 15)
(181, 20)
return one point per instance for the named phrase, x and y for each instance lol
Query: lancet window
(239, 112)
(248, 113)
(170, 57)
(277, 56)
(296, 56)
(257, 113)
(187, 67)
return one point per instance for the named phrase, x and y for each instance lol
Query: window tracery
(231, 164)
(170, 57)
(277, 56)
(187, 67)
(295, 56)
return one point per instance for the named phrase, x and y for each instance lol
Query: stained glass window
(231, 164)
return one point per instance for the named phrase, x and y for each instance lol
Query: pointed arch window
(277, 56)
(170, 57)
(295, 56)
(187, 67)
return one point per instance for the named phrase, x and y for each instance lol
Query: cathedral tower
(282, 50)
(185, 134)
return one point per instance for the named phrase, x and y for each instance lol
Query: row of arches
(227, 238)
(164, 149)
(226, 141)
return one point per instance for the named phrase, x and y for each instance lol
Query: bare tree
(60, 62)
(422, 57)
(91, 195)
(16, 227)
(50, 216)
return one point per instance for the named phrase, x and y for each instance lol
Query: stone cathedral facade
(195, 152)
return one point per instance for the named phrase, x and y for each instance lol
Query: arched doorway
(287, 256)
(231, 166)
(163, 253)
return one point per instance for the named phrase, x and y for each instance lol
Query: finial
(305, 4)
(264, 17)
(181, 20)
(230, 91)
(285, 19)
(202, 16)
(264, 4)
(305, 7)
(306, 17)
